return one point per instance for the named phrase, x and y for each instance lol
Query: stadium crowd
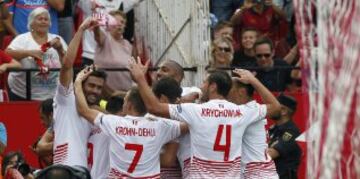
(120, 124)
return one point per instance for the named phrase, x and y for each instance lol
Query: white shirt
(71, 131)
(135, 143)
(41, 88)
(256, 163)
(216, 130)
(98, 158)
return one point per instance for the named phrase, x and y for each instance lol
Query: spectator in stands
(14, 166)
(113, 50)
(224, 9)
(269, 73)
(283, 148)
(245, 57)
(88, 8)
(269, 20)
(221, 53)
(30, 50)
(21, 10)
(223, 29)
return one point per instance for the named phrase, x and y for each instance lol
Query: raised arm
(273, 105)
(81, 104)
(58, 5)
(99, 36)
(66, 72)
(153, 105)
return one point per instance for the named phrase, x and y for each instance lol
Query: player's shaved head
(170, 68)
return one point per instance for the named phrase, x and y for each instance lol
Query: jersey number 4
(223, 147)
(138, 151)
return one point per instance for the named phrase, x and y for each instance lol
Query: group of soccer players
(220, 136)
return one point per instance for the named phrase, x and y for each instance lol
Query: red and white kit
(71, 131)
(135, 144)
(255, 162)
(216, 130)
(98, 158)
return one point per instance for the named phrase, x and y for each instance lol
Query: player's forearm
(81, 104)
(44, 148)
(73, 48)
(152, 103)
(267, 97)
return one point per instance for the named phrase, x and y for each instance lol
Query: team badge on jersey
(286, 136)
(179, 108)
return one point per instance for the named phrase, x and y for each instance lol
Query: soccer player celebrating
(216, 126)
(255, 161)
(135, 141)
(71, 131)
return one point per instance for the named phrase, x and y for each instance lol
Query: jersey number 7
(138, 151)
(223, 148)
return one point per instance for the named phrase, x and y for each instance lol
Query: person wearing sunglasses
(273, 73)
(221, 53)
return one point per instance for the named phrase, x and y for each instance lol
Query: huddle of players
(215, 138)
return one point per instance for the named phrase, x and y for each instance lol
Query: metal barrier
(186, 69)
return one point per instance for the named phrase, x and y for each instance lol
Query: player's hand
(137, 69)
(244, 76)
(83, 74)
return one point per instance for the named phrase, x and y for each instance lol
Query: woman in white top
(26, 48)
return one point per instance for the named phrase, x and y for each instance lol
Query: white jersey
(98, 158)
(135, 144)
(255, 162)
(70, 130)
(216, 130)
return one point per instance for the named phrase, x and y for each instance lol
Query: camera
(23, 168)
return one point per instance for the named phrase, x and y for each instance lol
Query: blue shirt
(23, 8)
(3, 134)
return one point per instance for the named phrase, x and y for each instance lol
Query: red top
(4, 58)
(268, 23)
